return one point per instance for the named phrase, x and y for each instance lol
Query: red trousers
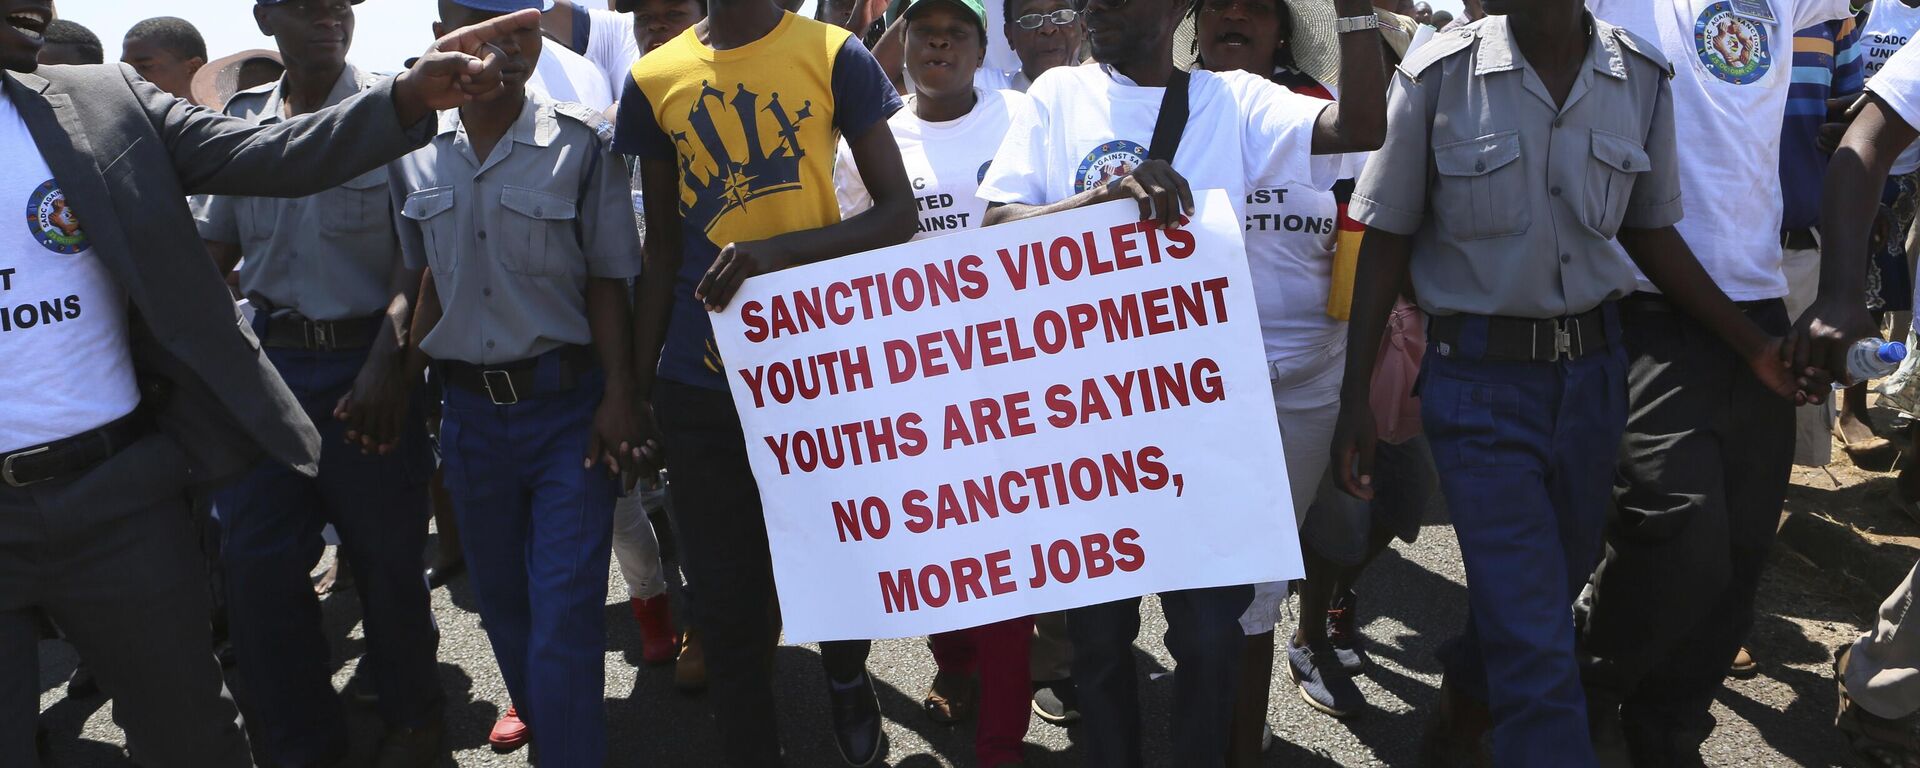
(998, 653)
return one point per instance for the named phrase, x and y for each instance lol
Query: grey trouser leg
(1883, 672)
(114, 557)
(1051, 657)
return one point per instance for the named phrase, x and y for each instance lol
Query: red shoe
(658, 643)
(509, 734)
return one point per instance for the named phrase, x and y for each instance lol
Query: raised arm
(1357, 122)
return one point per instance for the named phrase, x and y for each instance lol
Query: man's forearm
(1850, 197)
(1381, 270)
(1001, 213)
(889, 222)
(426, 315)
(652, 309)
(612, 329)
(1670, 265)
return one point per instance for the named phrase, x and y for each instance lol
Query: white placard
(1046, 414)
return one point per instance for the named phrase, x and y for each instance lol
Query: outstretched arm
(216, 154)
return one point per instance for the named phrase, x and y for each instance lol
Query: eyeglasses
(1059, 18)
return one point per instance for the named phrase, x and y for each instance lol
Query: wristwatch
(1356, 24)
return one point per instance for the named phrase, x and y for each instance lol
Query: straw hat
(219, 79)
(1314, 44)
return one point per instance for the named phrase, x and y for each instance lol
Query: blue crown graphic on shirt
(734, 182)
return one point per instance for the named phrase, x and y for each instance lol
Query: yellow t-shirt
(753, 131)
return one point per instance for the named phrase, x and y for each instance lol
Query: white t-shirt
(1244, 134)
(1890, 26)
(611, 47)
(563, 75)
(1089, 127)
(65, 363)
(1731, 76)
(1899, 84)
(945, 162)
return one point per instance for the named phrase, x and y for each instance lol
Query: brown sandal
(950, 699)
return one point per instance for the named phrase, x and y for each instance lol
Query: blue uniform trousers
(1526, 454)
(270, 523)
(537, 529)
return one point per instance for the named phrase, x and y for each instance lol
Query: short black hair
(63, 32)
(176, 35)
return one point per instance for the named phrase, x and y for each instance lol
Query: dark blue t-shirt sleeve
(862, 95)
(635, 131)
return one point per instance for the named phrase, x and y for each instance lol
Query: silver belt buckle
(499, 386)
(6, 467)
(320, 335)
(1562, 340)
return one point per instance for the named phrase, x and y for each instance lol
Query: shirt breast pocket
(537, 227)
(431, 210)
(1482, 188)
(1617, 162)
(360, 205)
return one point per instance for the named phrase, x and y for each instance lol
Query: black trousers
(115, 558)
(1204, 638)
(722, 535)
(1702, 475)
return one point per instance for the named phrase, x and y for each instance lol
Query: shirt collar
(343, 89)
(538, 125)
(1498, 54)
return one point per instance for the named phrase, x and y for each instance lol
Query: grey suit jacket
(127, 155)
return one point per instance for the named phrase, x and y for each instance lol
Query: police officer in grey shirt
(332, 302)
(1517, 150)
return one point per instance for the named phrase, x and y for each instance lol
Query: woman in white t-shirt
(1292, 232)
(947, 135)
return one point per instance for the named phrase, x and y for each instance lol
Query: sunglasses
(1059, 18)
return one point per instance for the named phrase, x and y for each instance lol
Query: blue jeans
(1205, 640)
(1526, 454)
(270, 539)
(537, 529)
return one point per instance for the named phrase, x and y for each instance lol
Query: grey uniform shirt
(1512, 203)
(329, 256)
(512, 240)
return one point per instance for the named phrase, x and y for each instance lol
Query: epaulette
(1442, 45)
(586, 116)
(261, 92)
(1648, 51)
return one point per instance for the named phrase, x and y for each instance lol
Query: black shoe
(856, 722)
(439, 573)
(359, 690)
(1347, 644)
(82, 685)
(421, 747)
(1057, 702)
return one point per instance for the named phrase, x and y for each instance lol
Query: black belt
(1520, 339)
(70, 456)
(1799, 240)
(296, 332)
(509, 383)
(1648, 301)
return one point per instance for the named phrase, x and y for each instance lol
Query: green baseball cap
(973, 7)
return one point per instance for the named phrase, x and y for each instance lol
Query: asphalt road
(1411, 601)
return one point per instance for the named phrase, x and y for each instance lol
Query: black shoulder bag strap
(1173, 118)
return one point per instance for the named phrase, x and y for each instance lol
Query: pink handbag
(1396, 410)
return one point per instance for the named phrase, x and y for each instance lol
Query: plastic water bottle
(1872, 358)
